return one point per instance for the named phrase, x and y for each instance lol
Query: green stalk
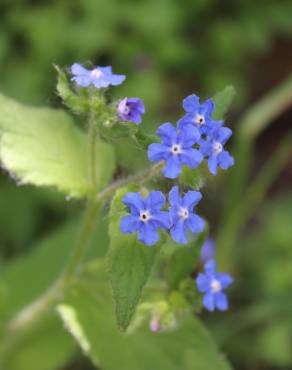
(250, 126)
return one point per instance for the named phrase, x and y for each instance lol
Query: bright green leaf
(41, 146)
(223, 100)
(130, 263)
(90, 308)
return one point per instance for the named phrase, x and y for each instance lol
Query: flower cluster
(197, 136)
(147, 217)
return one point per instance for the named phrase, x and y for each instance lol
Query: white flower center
(200, 120)
(145, 216)
(176, 149)
(96, 73)
(126, 109)
(217, 147)
(215, 286)
(183, 213)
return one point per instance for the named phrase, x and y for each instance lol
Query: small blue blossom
(131, 109)
(98, 76)
(213, 283)
(146, 216)
(198, 114)
(213, 149)
(182, 214)
(175, 149)
(208, 250)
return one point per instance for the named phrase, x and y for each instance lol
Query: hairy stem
(92, 135)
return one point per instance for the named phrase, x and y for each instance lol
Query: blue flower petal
(188, 136)
(206, 148)
(186, 120)
(178, 232)
(157, 152)
(209, 302)
(212, 164)
(223, 134)
(191, 157)
(207, 108)
(162, 220)
(134, 201)
(191, 103)
(129, 224)
(195, 223)
(210, 267)
(191, 199)
(221, 301)
(78, 69)
(155, 201)
(174, 197)
(172, 167)
(148, 234)
(168, 133)
(225, 279)
(225, 160)
(202, 283)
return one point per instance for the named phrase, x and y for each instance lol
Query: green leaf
(191, 178)
(130, 263)
(41, 146)
(88, 314)
(223, 100)
(183, 260)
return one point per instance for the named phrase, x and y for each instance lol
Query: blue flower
(146, 216)
(213, 148)
(182, 214)
(131, 109)
(213, 283)
(198, 115)
(98, 76)
(176, 149)
(208, 250)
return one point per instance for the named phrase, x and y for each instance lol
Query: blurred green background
(169, 49)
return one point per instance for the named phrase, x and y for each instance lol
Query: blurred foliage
(263, 291)
(165, 41)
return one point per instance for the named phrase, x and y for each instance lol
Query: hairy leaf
(41, 146)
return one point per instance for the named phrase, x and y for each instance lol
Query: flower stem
(92, 135)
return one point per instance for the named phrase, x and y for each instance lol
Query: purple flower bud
(154, 325)
(131, 109)
(208, 250)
